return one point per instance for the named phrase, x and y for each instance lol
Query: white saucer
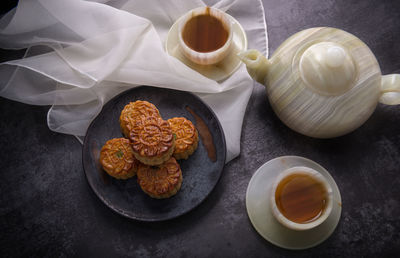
(260, 214)
(218, 71)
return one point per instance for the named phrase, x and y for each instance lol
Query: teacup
(205, 35)
(301, 198)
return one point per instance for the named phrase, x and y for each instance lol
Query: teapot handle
(390, 89)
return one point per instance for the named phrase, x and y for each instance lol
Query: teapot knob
(335, 56)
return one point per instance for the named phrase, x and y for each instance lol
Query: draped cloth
(80, 54)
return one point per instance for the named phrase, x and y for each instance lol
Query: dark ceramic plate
(200, 174)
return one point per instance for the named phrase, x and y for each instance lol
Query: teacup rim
(291, 224)
(217, 54)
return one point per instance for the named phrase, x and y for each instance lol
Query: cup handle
(390, 89)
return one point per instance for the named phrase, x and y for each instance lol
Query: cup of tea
(205, 35)
(301, 198)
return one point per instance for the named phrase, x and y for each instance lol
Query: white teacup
(316, 176)
(212, 57)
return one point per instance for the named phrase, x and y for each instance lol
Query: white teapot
(323, 82)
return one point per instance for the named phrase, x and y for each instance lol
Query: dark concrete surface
(48, 210)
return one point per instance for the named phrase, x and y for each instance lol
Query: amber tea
(204, 33)
(301, 198)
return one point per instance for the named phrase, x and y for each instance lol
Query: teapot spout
(257, 65)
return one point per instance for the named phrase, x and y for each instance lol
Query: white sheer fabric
(80, 54)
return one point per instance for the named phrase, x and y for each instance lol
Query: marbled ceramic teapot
(323, 82)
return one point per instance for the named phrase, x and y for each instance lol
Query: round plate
(260, 214)
(218, 71)
(200, 174)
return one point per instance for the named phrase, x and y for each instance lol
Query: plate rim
(143, 219)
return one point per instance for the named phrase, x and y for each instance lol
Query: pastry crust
(117, 159)
(160, 182)
(152, 140)
(135, 111)
(187, 137)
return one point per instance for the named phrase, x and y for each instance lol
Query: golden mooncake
(152, 140)
(136, 111)
(160, 182)
(117, 158)
(187, 137)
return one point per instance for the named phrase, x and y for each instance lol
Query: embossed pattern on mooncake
(135, 111)
(152, 140)
(117, 159)
(187, 137)
(160, 182)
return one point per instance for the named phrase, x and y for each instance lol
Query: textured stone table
(48, 210)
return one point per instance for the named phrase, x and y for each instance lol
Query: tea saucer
(218, 71)
(260, 214)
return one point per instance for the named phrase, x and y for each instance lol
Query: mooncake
(135, 111)
(117, 158)
(161, 181)
(152, 140)
(187, 137)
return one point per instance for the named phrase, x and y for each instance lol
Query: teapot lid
(328, 68)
